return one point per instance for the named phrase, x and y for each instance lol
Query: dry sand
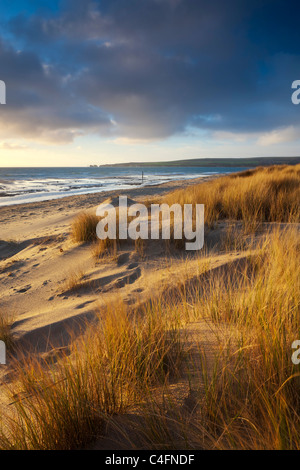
(37, 258)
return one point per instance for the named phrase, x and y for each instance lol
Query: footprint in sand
(132, 265)
(122, 259)
(24, 289)
(129, 279)
(84, 304)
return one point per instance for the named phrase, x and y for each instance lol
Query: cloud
(149, 70)
(277, 136)
(41, 103)
(12, 146)
(232, 136)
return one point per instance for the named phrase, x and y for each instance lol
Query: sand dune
(37, 258)
(51, 285)
(53, 288)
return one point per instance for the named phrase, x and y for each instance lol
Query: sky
(112, 81)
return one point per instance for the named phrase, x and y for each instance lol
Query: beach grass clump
(254, 397)
(83, 229)
(266, 194)
(114, 364)
(247, 394)
(6, 334)
(140, 247)
(106, 248)
(74, 281)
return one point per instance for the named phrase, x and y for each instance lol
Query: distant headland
(213, 162)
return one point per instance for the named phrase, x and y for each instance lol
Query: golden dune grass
(6, 335)
(83, 228)
(112, 366)
(267, 194)
(250, 398)
(246, 397)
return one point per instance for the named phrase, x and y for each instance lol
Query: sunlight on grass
(241, 390)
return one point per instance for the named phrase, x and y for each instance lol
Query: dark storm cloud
(40, 102)
(152, 68)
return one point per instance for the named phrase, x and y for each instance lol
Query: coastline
(19, 221)
(58, 294)
(43, 184)
(38, 256)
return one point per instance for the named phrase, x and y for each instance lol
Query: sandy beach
(38, 257)
(53, 289)
(39, 262)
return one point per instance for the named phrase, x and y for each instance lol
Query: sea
(25, 185)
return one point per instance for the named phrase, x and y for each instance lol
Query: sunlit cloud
(156, 70)
(12, 146)
(277, 136)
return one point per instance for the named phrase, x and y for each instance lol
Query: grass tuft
(84, 228)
